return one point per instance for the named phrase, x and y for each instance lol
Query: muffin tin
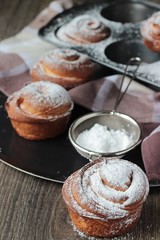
(124, 19)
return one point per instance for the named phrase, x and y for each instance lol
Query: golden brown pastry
(39, 110)
(83, 29)
(105, 197)
(65, 67)
(150, 32)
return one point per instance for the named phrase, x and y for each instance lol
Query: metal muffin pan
(124, 19)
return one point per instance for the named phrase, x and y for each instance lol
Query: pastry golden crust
(105, 198)
(83, 29)
(39, 110)
(150, 32)
(65, 67)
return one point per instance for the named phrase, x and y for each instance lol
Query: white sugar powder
(43, 92)
(156, 19)
(101, 139)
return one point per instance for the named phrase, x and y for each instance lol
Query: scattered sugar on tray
(101, 139)
(152, 69)
(156, 19)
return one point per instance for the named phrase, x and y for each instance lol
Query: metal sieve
(113, 120)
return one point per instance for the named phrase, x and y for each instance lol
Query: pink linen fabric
(151, 154)
(139, 102)
(20, 52)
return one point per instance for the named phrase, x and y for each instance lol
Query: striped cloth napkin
(139, 101)
(151, 154)
(20, 52)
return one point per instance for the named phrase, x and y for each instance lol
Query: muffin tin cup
(124, 19)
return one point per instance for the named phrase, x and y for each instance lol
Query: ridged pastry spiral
(105, 197)
(65, 67)
(39, 110)
(83, 29)
(150, 32)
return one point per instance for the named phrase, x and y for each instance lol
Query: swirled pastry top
(106, 189)
(82, 30)
(39, 100)
(151, 29)
(65, 67)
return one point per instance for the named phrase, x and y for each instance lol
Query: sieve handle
(136, 61)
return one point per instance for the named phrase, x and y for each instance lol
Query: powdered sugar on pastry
(42, 99)
(65, 67)
(39, 110)
(45, 93)
(107, 194)
(150, 32)
(83, 29)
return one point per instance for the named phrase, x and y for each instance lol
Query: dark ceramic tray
(124, 18)
(53, 159)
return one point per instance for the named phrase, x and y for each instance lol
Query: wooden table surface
(32, 208)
